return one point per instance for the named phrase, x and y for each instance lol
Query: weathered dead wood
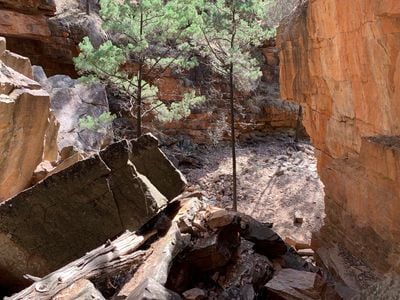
(165, 249)
(118, 255)
(81, 289)
(149, 289)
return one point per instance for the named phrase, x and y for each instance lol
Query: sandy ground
(274, 182)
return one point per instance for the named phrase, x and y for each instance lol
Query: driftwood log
(109, 258)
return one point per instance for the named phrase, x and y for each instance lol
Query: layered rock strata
(26, 123)
(48, 32)
(340, 60)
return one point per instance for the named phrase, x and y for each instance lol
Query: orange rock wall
(211, 122)
(28, 132)
(48, 31)
(340, 60)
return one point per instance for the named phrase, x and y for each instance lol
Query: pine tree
(150, 36)
(228, 34)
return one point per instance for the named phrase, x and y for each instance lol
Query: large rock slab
(341, 62)
(152, 162)
(24, 123)
(17, 62)
(75, 210)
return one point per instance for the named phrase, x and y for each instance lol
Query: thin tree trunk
(139, 103)
(232, 99)
(233, 138)
(139, 91)
(88, 7)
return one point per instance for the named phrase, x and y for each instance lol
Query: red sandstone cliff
(48, 31)
(340, 60)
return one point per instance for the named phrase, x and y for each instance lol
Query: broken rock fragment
(215, 250)
(195, 294)
(295, 285)
(266, 241)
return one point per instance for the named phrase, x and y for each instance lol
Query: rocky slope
(340, 60)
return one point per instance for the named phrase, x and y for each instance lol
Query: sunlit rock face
(48, 31)
(340, 60)
(24, 124)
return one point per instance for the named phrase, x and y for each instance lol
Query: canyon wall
(48, 31)
(25, 123)
(340, 60)
(260, 113)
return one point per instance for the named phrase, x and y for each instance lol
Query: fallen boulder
(295, 285)
(78, 209)
(24, 123)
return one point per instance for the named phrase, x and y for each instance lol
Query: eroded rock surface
(48, 31)
(25, 123)
(341, 61)
(295, 285)
(77, 209)
(72, 101)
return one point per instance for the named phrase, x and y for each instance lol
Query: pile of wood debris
(188, 251)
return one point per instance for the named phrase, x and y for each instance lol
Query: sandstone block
(73, 211)
(24, 125)
(17, 62)
(150, 161)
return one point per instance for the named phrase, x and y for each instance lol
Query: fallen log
(159, 263)
(81, 289)
(115, 256)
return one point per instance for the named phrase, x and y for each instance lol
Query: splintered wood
(112, 257)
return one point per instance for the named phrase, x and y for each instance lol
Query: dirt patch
(277, 179)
